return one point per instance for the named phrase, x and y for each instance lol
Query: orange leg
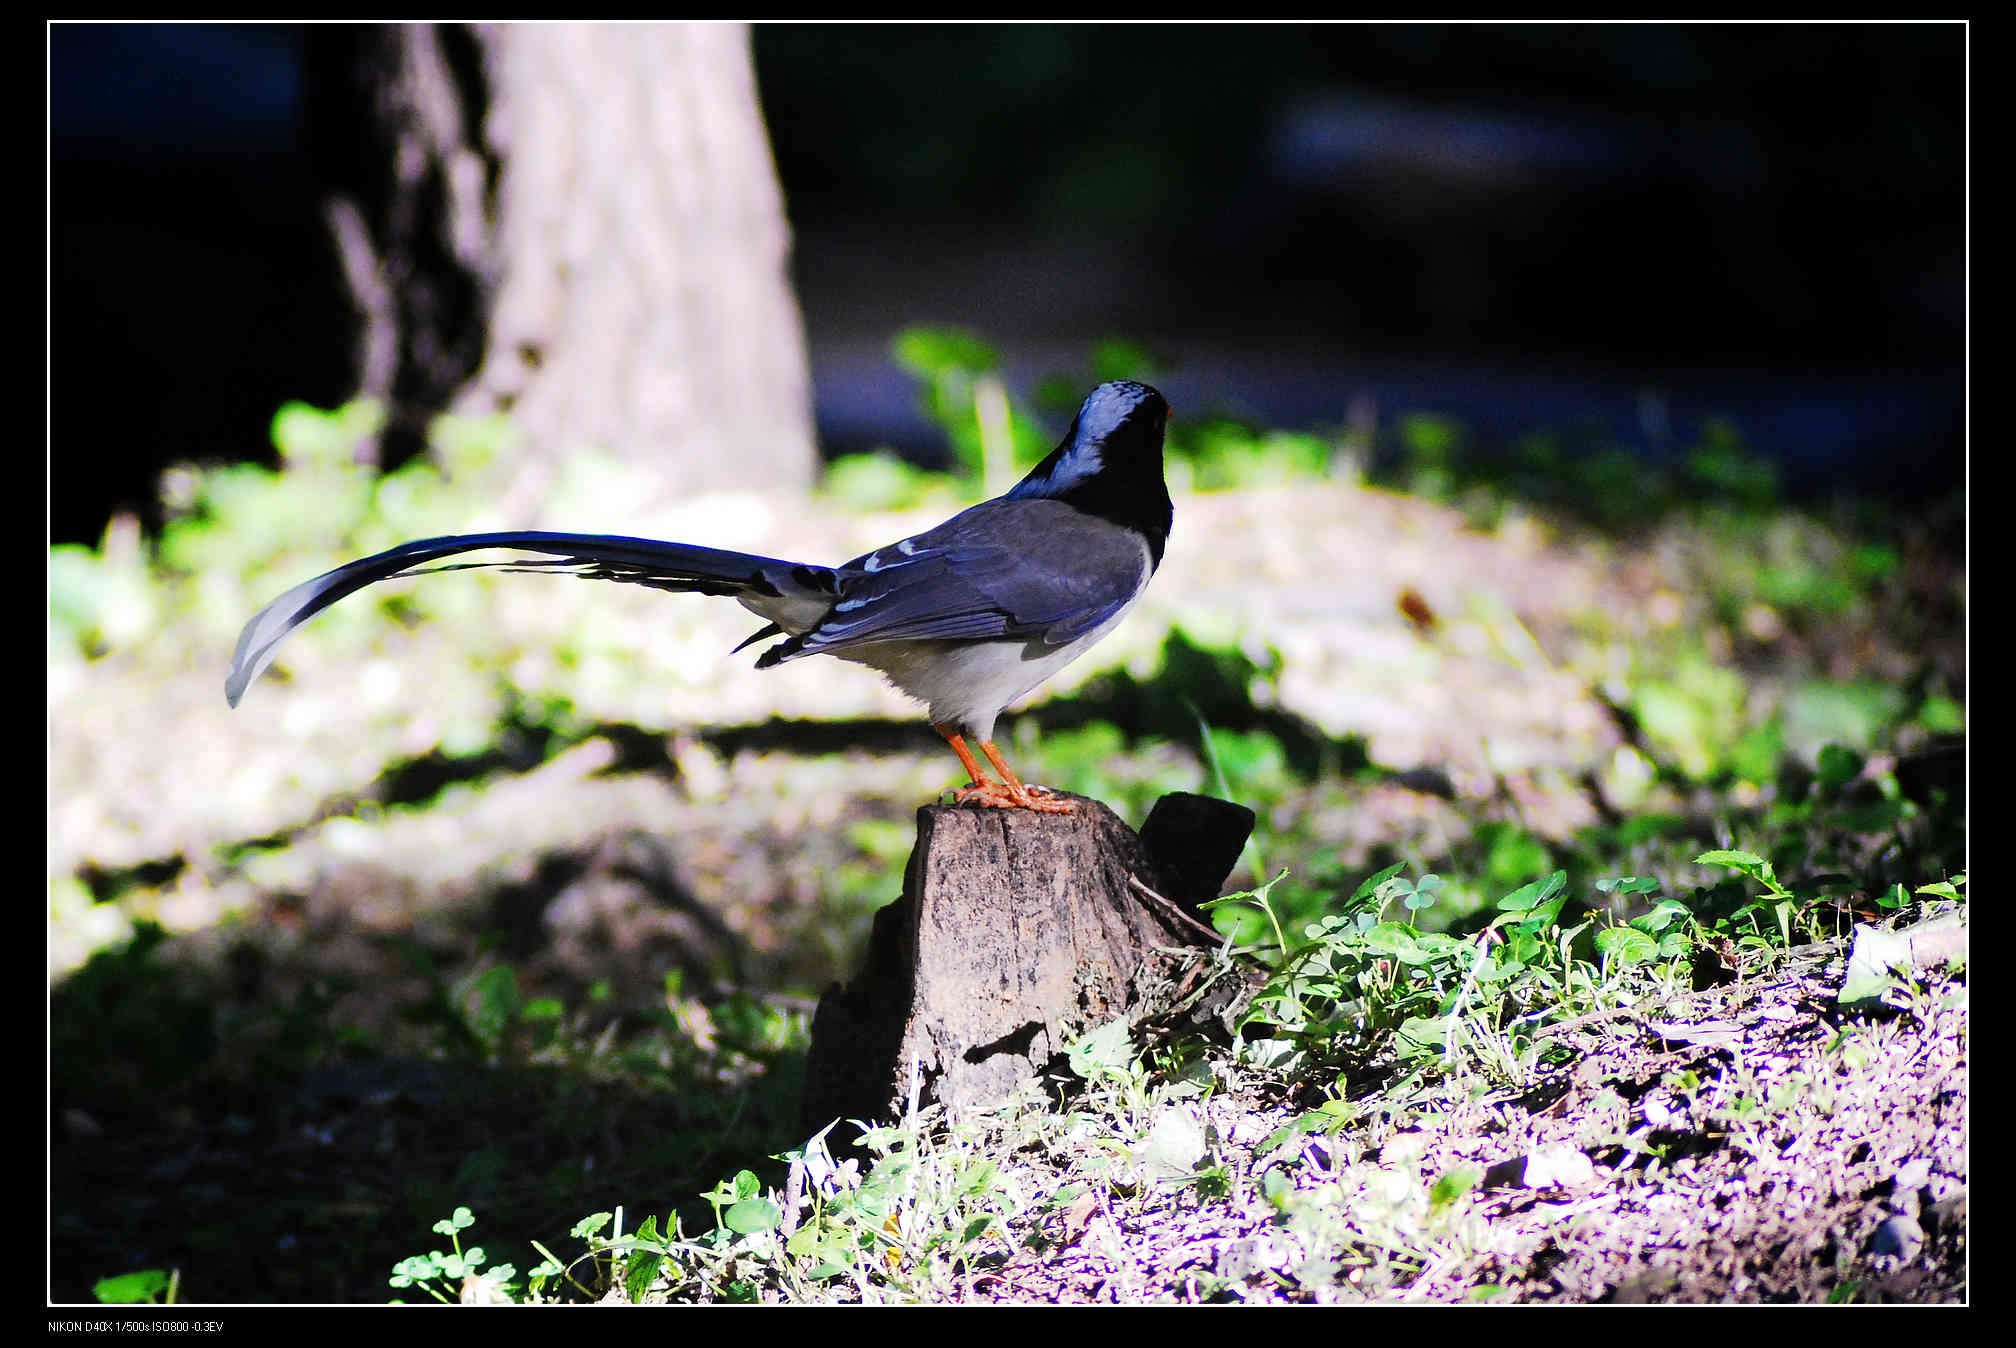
(958, 742)
(985, 791)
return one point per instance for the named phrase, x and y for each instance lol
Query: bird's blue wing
(1005, 569)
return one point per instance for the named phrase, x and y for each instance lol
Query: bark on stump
(1016, 932)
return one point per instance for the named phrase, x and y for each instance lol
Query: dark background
(1610, 229)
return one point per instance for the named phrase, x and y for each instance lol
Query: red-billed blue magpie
(965, 617)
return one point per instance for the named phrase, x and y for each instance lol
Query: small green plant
(458, 1274)
(1361, 983)
(1257, 902)
(1368, 982)
(143, 1287)
(739, 1205)
(1779, 901)
(923, 1211)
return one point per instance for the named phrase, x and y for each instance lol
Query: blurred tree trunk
(577, 224)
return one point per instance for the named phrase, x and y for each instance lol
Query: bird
(964, 617)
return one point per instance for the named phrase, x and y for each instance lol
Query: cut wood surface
(1016, 932)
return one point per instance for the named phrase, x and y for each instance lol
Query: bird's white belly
(967, 685)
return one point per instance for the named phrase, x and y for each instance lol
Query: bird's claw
(995, 796)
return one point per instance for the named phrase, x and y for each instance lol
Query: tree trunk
(1017, 932)
(577, 224)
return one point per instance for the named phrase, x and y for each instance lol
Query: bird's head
(1118, 430)
(1110, 462)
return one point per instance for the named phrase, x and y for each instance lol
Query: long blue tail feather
(679, 567)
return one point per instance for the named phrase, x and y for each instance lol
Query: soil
(1813, 1155)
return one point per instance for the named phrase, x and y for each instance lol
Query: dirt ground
(1748, 1143)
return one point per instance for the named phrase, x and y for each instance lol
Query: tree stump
(1016, 932)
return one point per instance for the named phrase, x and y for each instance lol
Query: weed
(459, 1275)
(143, 1287)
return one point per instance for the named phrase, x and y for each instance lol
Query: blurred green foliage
(99, 599)
(870, 482)
(1694, 717)
(1857, 713)
(963, 394)
(242, 531)
(1755, 548)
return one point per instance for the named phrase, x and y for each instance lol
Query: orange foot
(995, 796)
